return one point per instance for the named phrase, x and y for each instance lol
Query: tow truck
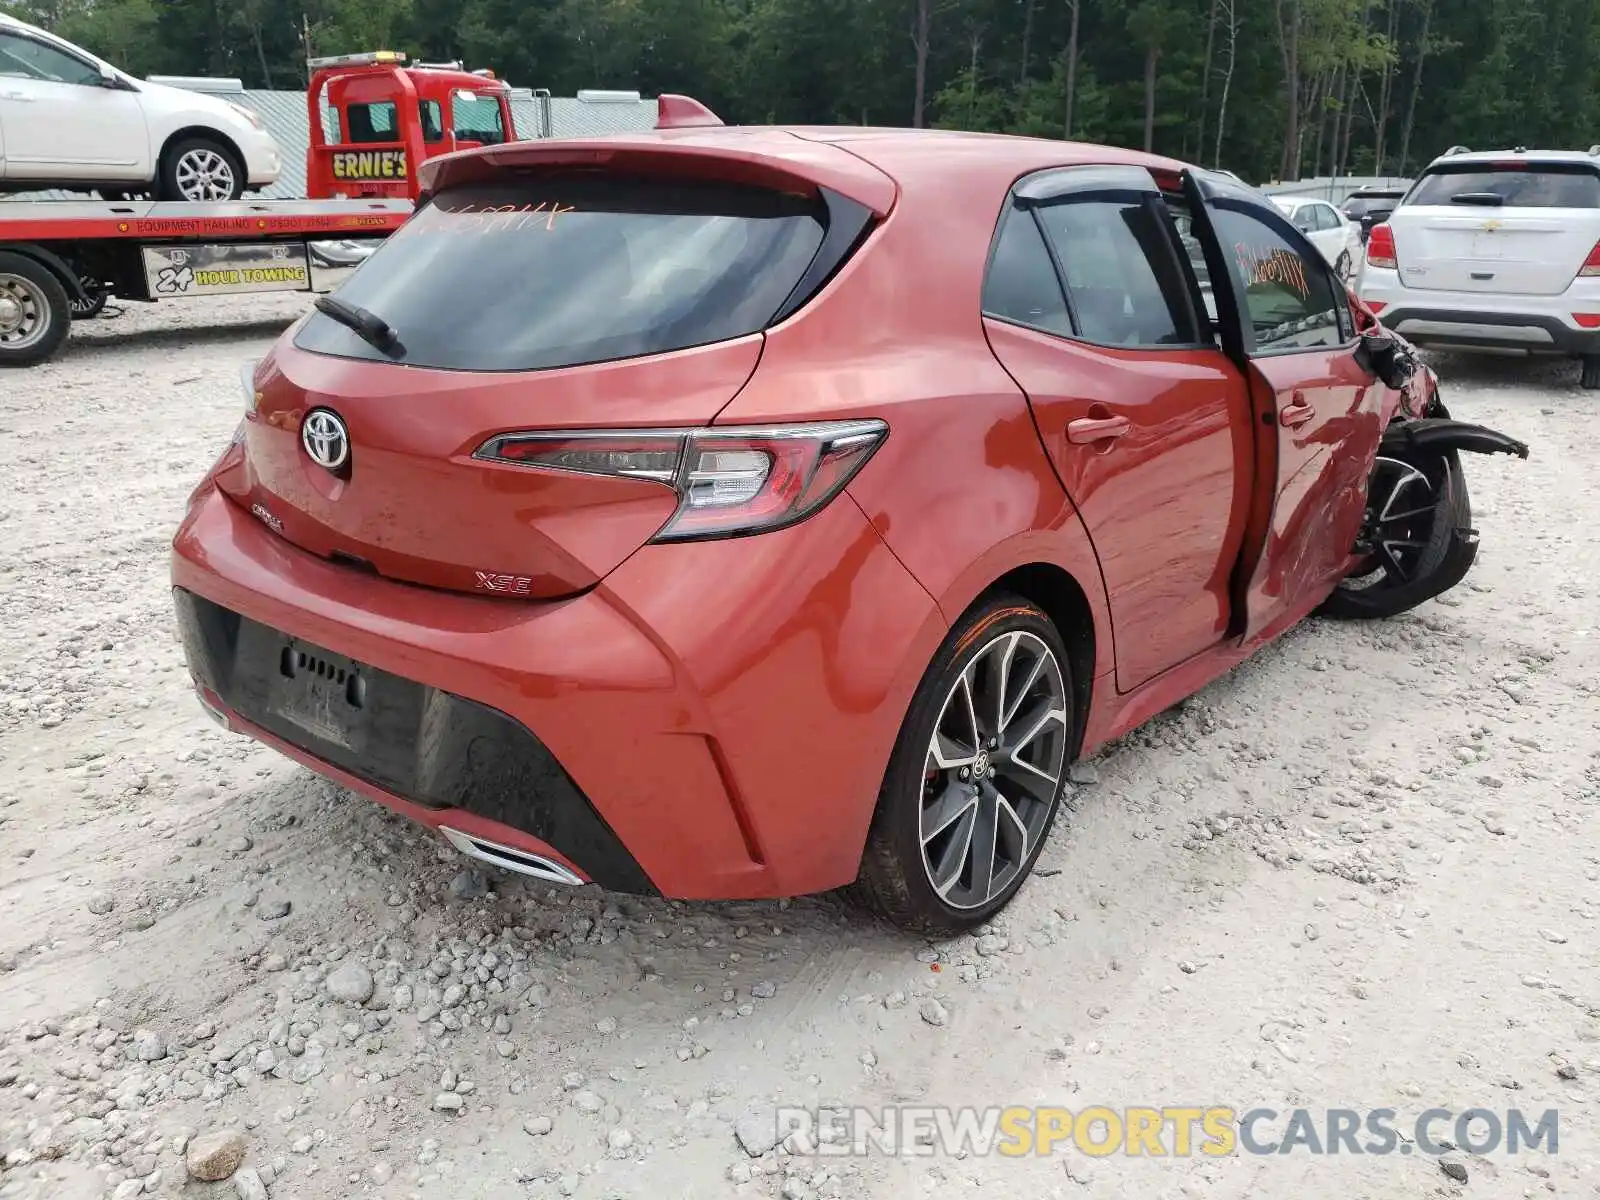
(62, 260)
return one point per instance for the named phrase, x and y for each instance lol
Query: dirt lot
(1363, 871)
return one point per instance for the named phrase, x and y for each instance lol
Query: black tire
(1591, 372)
(1441, 560)
(87, 310)
(200, 158)
(35, 313)
(896, 877)
(1345, 267)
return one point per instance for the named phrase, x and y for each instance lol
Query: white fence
(1333, 190)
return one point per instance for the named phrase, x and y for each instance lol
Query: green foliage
(1492, 72)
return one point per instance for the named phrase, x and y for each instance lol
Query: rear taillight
(1587, 320)
(1591, 265)
(1380, 247)
(730, 481)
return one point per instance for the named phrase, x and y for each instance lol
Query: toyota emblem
(326, 439)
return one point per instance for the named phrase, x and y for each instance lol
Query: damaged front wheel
(1416, 541)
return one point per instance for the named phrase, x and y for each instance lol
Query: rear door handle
(1097, 429)
(1296, 414)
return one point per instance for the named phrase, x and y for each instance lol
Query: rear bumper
(712, 722)
(1527, 324)
(431, 749)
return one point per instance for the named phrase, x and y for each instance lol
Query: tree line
(1271, 89)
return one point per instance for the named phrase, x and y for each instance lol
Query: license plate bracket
(323, 693)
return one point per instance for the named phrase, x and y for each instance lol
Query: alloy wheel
(1400, 514)
(23, 312)
(204, 174)
(993, 769)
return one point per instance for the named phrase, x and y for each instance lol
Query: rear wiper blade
(372, 328)
(1487, 199)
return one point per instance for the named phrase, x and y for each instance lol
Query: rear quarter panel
(961, 491)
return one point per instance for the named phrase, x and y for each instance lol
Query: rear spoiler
(774, 160)
(683, 112)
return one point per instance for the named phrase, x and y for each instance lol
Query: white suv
(69, 120)
(1497, 252)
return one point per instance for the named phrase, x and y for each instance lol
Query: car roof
(1298, 201)
(904, 154)
(1480, 157)
(866, 163)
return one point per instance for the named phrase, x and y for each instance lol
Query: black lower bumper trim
(422, 744)
(1563, 338)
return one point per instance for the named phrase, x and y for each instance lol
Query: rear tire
(1591, 372)
(1345, 267)
(35, 313)
(976, 776)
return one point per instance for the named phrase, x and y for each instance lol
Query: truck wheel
(200, 169)
(1591, 371)
(87, 310)
(34, 311)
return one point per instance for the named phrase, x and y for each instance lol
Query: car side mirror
(108, 77)
(1381, 354)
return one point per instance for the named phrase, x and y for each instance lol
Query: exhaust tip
(505, 857)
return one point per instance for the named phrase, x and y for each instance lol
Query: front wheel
(1416, 539)
(1345, 268)
(201, 169)
(976, 776)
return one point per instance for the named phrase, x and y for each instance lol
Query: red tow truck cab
(392, 117)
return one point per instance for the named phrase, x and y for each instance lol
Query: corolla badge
(325, 438)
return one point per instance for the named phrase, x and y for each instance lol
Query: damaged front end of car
(1417, 540)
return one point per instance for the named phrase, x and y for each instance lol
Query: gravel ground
(1362, 870)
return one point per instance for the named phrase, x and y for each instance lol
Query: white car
(1329, 230)
(70, 120)
(1497, 252)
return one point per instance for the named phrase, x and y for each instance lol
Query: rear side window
(1022, 286)
(560, 269)
(1534, 185)
(1122, 272)
(1358, 206)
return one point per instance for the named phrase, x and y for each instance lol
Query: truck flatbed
(61, 260)
(53, 220)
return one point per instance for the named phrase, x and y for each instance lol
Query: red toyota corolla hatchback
(750, 512)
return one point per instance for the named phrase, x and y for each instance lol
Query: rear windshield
(555, 270)
(1534, 185)
(1357, 205)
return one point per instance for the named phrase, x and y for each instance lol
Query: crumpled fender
(1440, 434)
